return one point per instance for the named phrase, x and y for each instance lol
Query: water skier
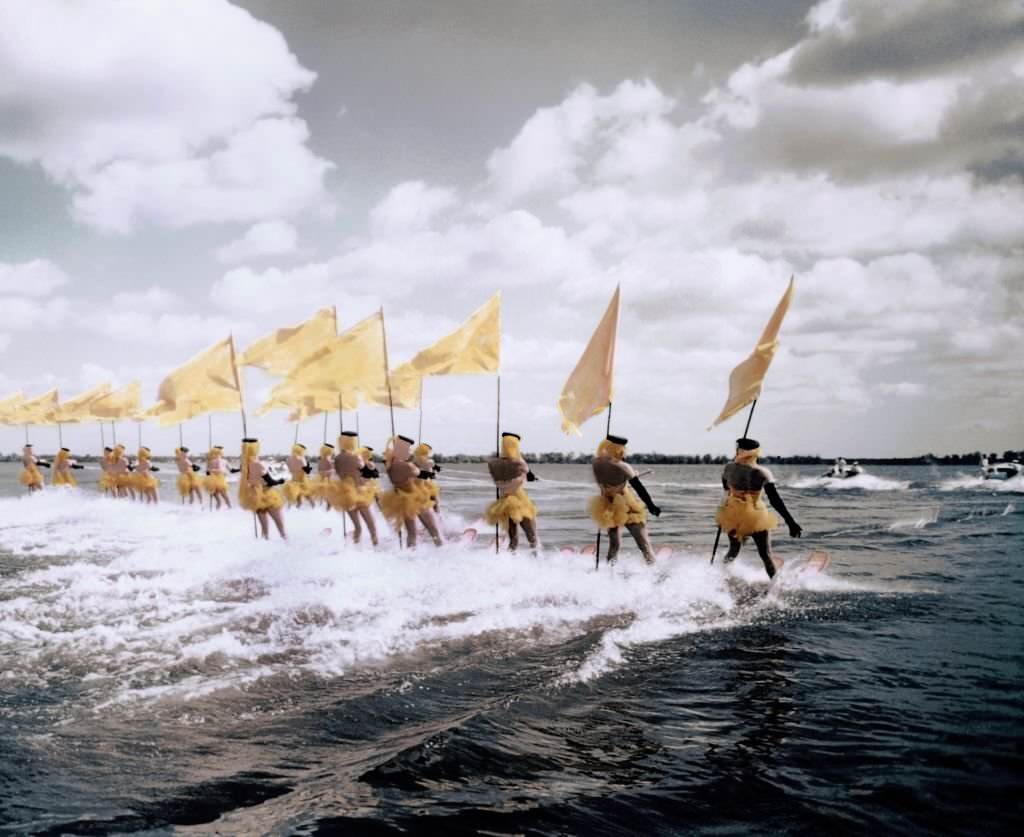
(189, 482)
(147, 485)
(421, 457)
(256, 492)
(355, 492)
(513, 508)
(407, 501)
(31, 477)
(216, 481)
(743, 512)
(62, 467)
(298, 488)
(623, 500)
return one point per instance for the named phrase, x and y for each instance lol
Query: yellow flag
(37, 410)
(746, 379)
(78, 408)
(406, 388)
(208, 383)
(120, 404)
(589, 388)
(474, 347)
(281, 351)
(350, 364)
(9, 405)
(308, 404)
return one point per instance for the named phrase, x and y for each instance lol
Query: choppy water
(160, 670)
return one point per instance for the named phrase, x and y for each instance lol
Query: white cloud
(902, 388)
(153, 299)
(410, 207)
(156, 121)
(268, 238)
(35, 278)
(22, 314)
(5, 341)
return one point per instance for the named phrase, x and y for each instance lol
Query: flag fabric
(350, 364)
(38, 410)
(473, 348)
(207, 383)
(282, 350)
(746, 379)
(78, 408)
(405, 390)
(589, 388)
(9, 405)
(120, 404)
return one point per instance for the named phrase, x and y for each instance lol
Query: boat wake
(864, 482)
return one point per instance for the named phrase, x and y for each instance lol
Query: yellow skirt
(64, 479)
(399, 504)
(321, 487)
(741, 516)
(623, 509)
(144, 482)
(106, 482)
(345, 495)
(215, 483)
(124, 480)
(295, 489)
(514, 508)
(31, 478)
(189, 482)
(259, 499)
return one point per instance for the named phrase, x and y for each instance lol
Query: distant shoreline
(556, 458)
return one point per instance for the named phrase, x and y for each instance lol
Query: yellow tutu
(616, 510)
(742, 514)
(515, 507)
(400, 504)
(124, 480)
(259, 498)
(64, 479)
(189, 482)
(144, 482)
(296, 488)
(106, 482)
(31, 477)
(433, 490)
(216, 482)
(345, 495)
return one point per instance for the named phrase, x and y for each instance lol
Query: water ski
(589, 549)
(663, 552)
(468, 536)
(815, 562)
(567, 550)
(324, 533)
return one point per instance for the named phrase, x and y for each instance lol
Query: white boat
(1000, 470)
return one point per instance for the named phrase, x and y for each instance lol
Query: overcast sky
(171, 172)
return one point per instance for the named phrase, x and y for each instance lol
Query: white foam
(968, 482)
(865, 482)
(930, 518)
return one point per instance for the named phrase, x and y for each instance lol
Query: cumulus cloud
(35, 278)
(155, 121)
(410, 207)
(268, 238)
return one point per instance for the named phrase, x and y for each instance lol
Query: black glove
(43, 464)
(641, 492)
(234, 470)
(795, 530)
(308, 469)
(369, 473)
(271, 482)
(131, 467)
(531, 477)
(78, 467)
(196, 468)
(437, 469)
(153, 468)
(425, 475)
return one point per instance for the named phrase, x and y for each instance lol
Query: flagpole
(391, 400)
(419, 434)
(241, 407)
(497, 452)
(181, 438)
(597, 550)
(341, 429)
(113, 431)
(718, 534)
(60, 434)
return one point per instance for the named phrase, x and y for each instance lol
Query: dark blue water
(161, 671)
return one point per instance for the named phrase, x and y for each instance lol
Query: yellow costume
(255, 497)
(298, 486)
(30, 476)
(408, 500)
(60, 475)
(143, 480)
(106, 481)
(616, 506)
(188, 481)
(517, 506)
(215, 481)
(743, 512)
(348, 492)
(127, 479)
(320, 486)
(421, 455)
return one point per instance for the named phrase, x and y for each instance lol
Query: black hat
(66, 450)
(28, 444)
(249, 440)
(407, 439)
(513, 435)
(141, 448)
(184, 449)
(219, 447)
(349, 433)
(617, 440)
(109, 450)
(328, 445)
(747, 444)
(369, 448)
